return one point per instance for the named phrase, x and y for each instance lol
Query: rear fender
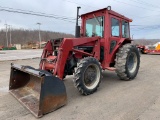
(121, 42)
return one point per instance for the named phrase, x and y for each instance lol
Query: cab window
(115, 27)
(95, 27)
(125, 29)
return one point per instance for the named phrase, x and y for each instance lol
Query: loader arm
(69, 45)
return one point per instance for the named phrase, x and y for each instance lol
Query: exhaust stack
(77, 29)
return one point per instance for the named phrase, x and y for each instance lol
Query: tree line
(145, 41)
(22, 36)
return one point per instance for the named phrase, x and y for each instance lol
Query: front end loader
(38, 90)
(102, 43)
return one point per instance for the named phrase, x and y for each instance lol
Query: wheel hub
(132, 62)
(90, 75)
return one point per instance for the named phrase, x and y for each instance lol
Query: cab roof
(109, 12)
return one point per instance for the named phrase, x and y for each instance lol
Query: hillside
(21, 36)
(145, 41)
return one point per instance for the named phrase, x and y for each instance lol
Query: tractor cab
(112, 27)
(105, 23)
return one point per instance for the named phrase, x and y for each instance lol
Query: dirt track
(115, 99)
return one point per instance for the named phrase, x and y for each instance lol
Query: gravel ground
(20, 54)
(115, 99)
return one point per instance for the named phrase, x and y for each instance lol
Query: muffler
(38, 90)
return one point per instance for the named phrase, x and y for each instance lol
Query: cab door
(115, 36)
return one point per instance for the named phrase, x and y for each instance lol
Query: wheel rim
(132, 62)
(91, 76)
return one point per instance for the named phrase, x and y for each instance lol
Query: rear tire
(87, 75)
(127, 62)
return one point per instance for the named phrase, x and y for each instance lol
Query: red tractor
(102, 42)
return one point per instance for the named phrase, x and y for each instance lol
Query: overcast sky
(145, 14)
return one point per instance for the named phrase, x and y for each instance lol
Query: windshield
(95, 27)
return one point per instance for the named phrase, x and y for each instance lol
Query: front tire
(87, 75)
(127, 62)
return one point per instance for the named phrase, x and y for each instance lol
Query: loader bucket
(38, 90)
